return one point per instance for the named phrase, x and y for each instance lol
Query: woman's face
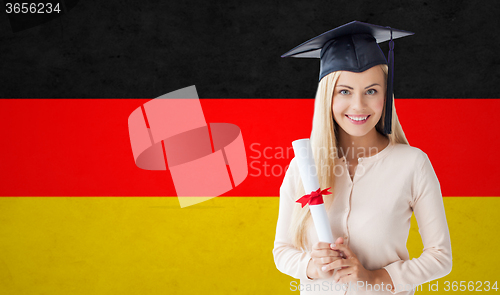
(358, 100)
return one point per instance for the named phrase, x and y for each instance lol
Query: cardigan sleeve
(427, 205)
(288, 259)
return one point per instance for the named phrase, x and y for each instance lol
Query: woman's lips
(356, 119)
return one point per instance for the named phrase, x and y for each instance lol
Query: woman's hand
(351, 270)
(322, 254)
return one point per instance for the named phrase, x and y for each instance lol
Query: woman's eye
(371, 92)
(344, 92)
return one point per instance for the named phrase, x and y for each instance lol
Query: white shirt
(373, 212)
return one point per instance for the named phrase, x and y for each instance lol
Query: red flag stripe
(80, 147)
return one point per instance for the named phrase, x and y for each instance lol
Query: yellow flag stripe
(149, 245)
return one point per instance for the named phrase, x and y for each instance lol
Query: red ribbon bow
(314, 198)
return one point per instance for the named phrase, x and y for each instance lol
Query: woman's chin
(357, 131)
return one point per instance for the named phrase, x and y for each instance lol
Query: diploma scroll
(308, 174)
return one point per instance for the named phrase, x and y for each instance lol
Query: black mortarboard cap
(353, 47)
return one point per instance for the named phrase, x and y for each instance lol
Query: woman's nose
(357, 102)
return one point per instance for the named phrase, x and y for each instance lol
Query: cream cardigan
(372, 212)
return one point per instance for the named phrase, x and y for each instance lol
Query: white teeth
(357, 119)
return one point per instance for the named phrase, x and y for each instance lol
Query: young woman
(377, 179)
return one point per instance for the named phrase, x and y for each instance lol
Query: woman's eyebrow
(353, 88)
(372, 85)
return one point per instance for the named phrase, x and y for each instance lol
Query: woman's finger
(328, 259)
(337, 264)
(342, 273)
(321, 245)
(345, 249)
(325, 253)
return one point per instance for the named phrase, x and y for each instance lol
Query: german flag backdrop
(78, 217)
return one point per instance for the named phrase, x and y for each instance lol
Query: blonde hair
(324, 144)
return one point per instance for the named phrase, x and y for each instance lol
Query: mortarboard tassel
(390, 87)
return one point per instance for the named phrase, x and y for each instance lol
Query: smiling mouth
(358, 118)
